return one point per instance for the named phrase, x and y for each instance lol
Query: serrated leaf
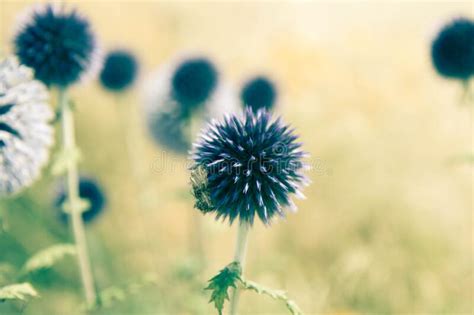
(46, 258)
(274, 294)
(17, 291)
(220, 284)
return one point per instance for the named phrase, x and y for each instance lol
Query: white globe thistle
(25, 133)
(163, 111)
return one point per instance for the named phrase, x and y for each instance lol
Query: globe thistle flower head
(171, 123)
(252, 164)
(119, 70)
(89, 191)
(259, 93)
(193, 82)
(169, 130)
(25, 133)
(58, 44)
(452, 50)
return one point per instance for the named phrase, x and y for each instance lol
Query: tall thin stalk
(240, 252)
(73, 198)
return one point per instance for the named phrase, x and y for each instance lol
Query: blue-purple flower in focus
(247, 166)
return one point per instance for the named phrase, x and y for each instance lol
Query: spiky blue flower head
(58, 44)
(258, 93)
(452, 50)
(119, 70)
(25, 131)
(90, 191)
(193, 82)
(251, 166)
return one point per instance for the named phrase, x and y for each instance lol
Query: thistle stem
(73, 199)
(240, 252)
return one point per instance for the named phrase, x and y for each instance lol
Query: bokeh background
(387, 226)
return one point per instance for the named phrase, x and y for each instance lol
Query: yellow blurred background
(387, 226)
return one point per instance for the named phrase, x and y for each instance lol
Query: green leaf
(46, 258)
(274, 294)
(220, 284)
(81, 205)
(17, 291)
(63, 159)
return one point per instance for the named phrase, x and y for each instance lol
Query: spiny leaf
(274, 294)
(46, 258)
(219, 284)
(17, 291)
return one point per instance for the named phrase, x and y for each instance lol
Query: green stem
(240, 252)
(73, 199)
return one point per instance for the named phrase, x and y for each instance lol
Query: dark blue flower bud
(91, 192)
(259, 93)
(119, 70)
(452, 50)
(193, 82)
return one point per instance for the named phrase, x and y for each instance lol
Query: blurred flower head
(58, 44)
(170, 130)
(170, 122)
(25, 133)
(119, 70)
(259, 93)
(193, 82)
(89, 191)
(252, 165)
(452, 50)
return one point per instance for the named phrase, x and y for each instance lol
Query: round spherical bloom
(169, 122)
(452, 50)
(252, 164)
(89, 191)
(193, 82)
(119, 70)
(58, 44)
(25, 133)
(259, 93)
